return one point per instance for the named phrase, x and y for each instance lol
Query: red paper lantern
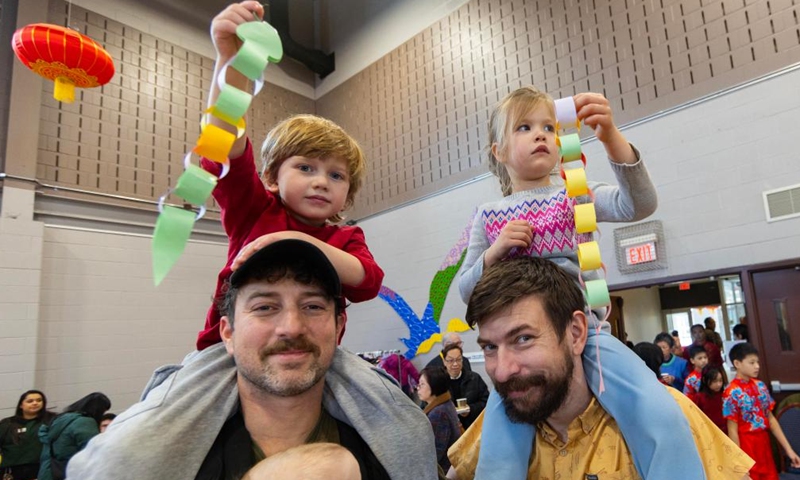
(63, 55)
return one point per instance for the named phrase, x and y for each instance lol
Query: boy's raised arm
(226, 43)
(349, 268)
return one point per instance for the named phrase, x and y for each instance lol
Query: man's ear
(226, 332)
(577, 332)
(339, 326)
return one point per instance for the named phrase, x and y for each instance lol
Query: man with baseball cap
(289, 385)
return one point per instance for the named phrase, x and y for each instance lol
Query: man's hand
(516, 234)
(465, 413)
(223, 27)
(595, 111)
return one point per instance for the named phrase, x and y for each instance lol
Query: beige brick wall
(20, 274)
(421, 110)
(103, 325)
(130, 136)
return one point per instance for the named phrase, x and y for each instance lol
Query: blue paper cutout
(420, 328)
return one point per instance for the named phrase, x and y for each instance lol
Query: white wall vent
(782, 203)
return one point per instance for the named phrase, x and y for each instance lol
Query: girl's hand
(516, 234)
(223, 26)
(595, 111)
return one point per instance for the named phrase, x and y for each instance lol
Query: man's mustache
(298, 344)
(516, 384)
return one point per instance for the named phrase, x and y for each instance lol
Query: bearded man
(532, 325)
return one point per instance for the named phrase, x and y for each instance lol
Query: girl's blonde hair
(505, 116)
(313, 137)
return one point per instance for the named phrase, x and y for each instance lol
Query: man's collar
(584, 422)
(459, 375)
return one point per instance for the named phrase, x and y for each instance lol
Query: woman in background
(69, 432)
(434, 383)
(19, 436)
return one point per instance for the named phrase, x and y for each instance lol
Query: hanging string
(69, 16)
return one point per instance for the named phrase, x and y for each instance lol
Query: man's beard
(533, 408)
(284, 380)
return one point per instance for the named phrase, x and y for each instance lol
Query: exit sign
(641, 253)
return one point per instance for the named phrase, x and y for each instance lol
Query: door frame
(752, 312)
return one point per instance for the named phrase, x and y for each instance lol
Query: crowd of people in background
(36, 443)
(449, 392)
(742, 408)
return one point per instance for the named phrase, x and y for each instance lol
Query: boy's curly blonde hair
(313, 137)
(505, 116)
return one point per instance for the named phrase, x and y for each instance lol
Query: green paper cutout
(440, 285)
(570, 147)
(261, 45)
(250, 61)
(597, 293)
(173, 228)
(233, 103)
(265, 37)
(195, 185)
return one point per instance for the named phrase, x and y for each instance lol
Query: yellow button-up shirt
(595, 446)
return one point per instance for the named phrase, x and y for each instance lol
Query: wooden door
(777, 303)
(616, 319)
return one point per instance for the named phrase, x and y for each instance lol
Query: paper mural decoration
(65, 56)
(426, 330)
(261, 45)
(595, 291)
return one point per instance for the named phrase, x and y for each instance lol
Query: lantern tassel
(64, 90)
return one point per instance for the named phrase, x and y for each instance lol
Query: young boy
(311, 172)
(747, 406)
(699, 359)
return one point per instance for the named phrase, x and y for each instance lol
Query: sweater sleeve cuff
(211, 166)
(637, 164)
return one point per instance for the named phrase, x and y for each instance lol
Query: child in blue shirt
(673, 367)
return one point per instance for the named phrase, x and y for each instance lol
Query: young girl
(535, 217)
(709, 399)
